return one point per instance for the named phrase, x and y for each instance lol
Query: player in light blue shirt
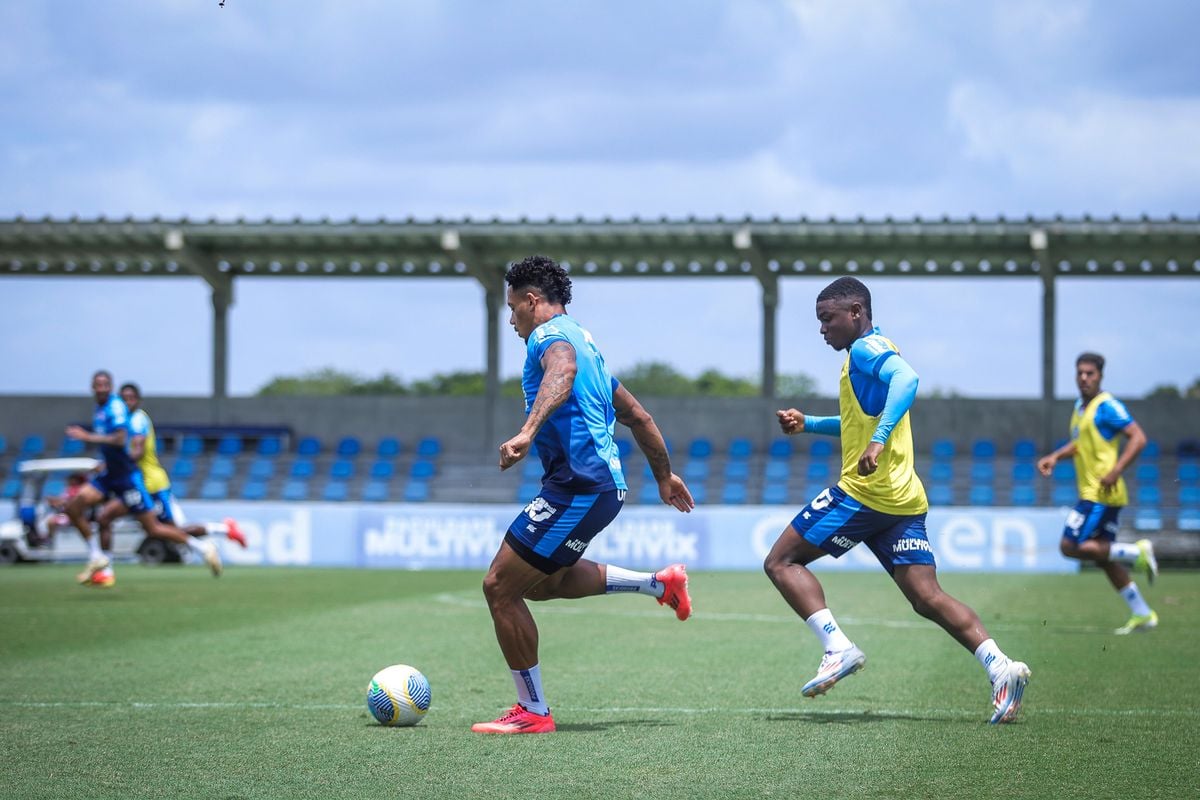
(571, 405)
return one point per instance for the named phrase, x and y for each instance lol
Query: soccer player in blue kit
(878, 500)
(122, 479)
(571, 403)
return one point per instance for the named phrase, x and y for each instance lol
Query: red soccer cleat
(517, 719)
(234, 533)
(675, 590)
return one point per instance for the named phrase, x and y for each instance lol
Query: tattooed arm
(671, 488)
(559, 369)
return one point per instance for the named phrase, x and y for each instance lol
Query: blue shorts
(167, 509)
(553, 531)
(129, 489)
(835, 522)
(1089, 520)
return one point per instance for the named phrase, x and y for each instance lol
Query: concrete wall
(463, 423)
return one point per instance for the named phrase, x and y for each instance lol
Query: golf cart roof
(48, 465)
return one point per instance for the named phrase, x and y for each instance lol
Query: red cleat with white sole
(674, 580)
(233, 533)
(517, 719)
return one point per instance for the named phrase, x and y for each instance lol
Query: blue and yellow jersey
(109, 417)
(152, 472)
(576, 443)
(894, 488)
(1094, 430)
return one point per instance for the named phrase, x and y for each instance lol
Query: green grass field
(173, 684)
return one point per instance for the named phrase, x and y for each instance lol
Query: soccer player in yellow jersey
(1091, 530)
(878, 500)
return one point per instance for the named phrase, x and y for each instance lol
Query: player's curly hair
(847, 288)
(543, 274)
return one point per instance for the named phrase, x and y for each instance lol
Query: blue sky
(449, 109)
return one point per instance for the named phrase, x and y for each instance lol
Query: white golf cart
(38, 532)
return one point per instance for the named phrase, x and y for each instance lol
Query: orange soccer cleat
(517, 719)
(674, 580)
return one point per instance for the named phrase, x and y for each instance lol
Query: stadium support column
(1040, 243)
(493, 298)
(770, 314)
(222, 299)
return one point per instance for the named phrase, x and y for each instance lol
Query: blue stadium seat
(222, 468)
(416, 492)
(700, 448)
(1024, 494)
(695, 471)
(3, 445)
(262, 469)
(775, 494)
(781, 447)
(1063, 494)
(303, 468)
(1149, 495)
(532, 469)
(778, 471)
(1188, 519)
(229, 445)
(181, 490)
(191, 446)
(699, 493)
(72, 447)
(295, 490)
(1151, 451)
(1064, 472)
(349, 447)
(817, 471)
(32, 446)
(342, 469)
(624, 448)
(737, 471)
(820, 448)
(214, 490)
(982, 495)
(811, 490)
(422, 469)
(1146, 473)
(941, 471)
(648, 493)
(388, 447)
(940, 494)
(383, 470)
(1148, 519)
(54, 487)
(647, 473)
(335, 491)
(740, 449)
(943, 448)
(1187, 448)
(309, 446)
(1025, 448)
(269, 447)
(734, 494)
(1189, 496)
(429, 447)
(527, 491)
(1023, 471)
(983, 448)
(375, 492)
(12, 488)
(254, 490)
(184, 468)
(983, 471)
(1188, 472)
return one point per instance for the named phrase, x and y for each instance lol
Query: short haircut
(136, 391)
(1091, 358)
(103, 372)
(543, 274)
(847, 288)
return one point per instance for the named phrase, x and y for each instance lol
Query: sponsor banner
(436, 536)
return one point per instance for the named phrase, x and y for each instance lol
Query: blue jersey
(110, 417)
(576, 443)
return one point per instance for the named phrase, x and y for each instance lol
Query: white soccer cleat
(1007, 690)
(212, 557)
(834, 667)
(94, 565)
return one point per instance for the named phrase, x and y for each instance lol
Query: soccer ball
(398, 695)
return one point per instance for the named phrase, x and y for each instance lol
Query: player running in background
(1091, 530)
(143, 448)
(120, 478)
(878, 500)
(571, 403)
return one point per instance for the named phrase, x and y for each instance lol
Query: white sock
(826, 628)
(992, 658)
(529, 689)
(94, 551)
(111, 560)
(625, 580)
(214, 528)
(198, 546)
(1123, 552)
(1137, 603)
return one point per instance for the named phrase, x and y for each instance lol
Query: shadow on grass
(857, 717)
(590, 727)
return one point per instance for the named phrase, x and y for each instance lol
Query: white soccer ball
(398, 695)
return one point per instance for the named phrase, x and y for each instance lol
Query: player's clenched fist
(791, 421)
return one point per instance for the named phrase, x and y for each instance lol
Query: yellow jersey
(152, 472)
(894, 488)
(1094, 430)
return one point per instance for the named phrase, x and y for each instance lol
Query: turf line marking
(808, 711)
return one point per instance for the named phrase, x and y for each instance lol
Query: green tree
(656, 379)
(1164, 390)
(325, 381)
(796, 385)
